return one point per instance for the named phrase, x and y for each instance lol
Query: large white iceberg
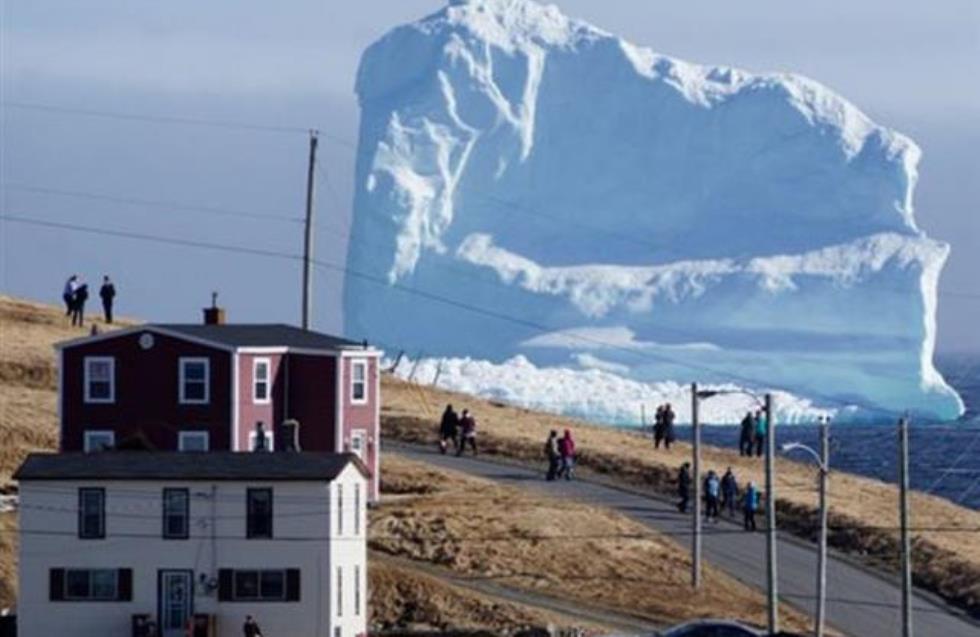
(530, 185)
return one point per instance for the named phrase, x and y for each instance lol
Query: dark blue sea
(944, 457)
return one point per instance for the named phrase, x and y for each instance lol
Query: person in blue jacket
(751, 505)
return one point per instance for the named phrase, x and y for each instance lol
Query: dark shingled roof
(174, 465)
(259, 335)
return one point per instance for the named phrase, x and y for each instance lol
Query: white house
(119, 538)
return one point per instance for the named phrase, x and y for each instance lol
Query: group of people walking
(663, 426)
(561, 455)
(719, 494)
(752, 434)
(457, 431)
(76, 294)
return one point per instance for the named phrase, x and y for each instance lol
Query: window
(340, 591)
(252, 585)
(358, 383)
(357, 438)
(357, 509)
(99, 440)
(91, 585)
(100, 379)
(259, 514)
(340, 509)
(193, 441)
(194, 378)
(176, 514)
(253, 441)
(260, 380)
(91, 513)
(357, 590)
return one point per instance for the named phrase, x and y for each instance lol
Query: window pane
(99, 370)
(261, 371)
(77, 584)
(197, 441)
(175, 513)
(261, 390)
(99, 390)
(259, 513)
(91, 513)
(193, 390)
(246, 584)
(194, 371)
(103, 584)
(273, 585)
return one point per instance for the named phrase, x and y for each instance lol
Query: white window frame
(183, 435)
(354, 364)
(255, 381)
(270, 441)
(359, 434)
(190, 360)
(112, 379)
(88, 447)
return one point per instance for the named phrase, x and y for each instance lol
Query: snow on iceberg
(557, 193)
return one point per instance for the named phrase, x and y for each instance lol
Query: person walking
(553, 453)
(745, 435)
(669, 434)
(712, 495)
(78, 305)
(729, 492)
(750, 506)
(449, 430)
(684, 486)
(566, 447)
(107, 293)
(658, 427)
(251, 627)
(761, 430)
(68, 294)
(468, 426)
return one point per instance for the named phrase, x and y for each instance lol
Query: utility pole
(771, 577)
(903, 439)
(308, 237)
(822, 553)
(696, 447)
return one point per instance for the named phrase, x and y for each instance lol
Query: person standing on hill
(107, 293)
(658, 427)
(449, 430)
(468, 426)
(684, 486)
(745, 434)
(669, 435)
(750, 506)
(78, 305)
(729, 491)
(553, 453)
(712, 494)
(761, 431)
(68, 294)
(566, 447)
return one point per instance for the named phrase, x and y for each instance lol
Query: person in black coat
(684, 486)
(107, 293)
(78, 305)
(746, 434)
(669, 434)
(449, 429)
(251, 627)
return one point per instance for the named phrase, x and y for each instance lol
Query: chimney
(214, 315)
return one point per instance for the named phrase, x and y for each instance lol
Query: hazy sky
(911, 67)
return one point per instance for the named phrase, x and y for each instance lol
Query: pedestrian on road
(658, 427)
(750, 506)
(78, 305)
(449, 430)
(566, 447)
(729, 492)
(761, 431)
(107, 293)
(684, 486)
(251, 628)
(669, 434)
(712, 495)
(468, 426)
(745, 434)
(553, 453)
(68, 294)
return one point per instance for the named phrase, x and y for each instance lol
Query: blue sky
(911, 66)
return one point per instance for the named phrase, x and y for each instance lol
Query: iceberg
(531, 188)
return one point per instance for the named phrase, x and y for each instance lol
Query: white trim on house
(255, 381)
(235, 360)
(252, 349)
(105, 336)
(363, 364)
(190, 360)
(338, 443)
(184, 435)
(89, 445)
(61, 395)
(112, 379)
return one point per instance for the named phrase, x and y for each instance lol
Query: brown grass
(557, 547)
(863, 511)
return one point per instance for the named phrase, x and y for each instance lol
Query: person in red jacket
(566, 448)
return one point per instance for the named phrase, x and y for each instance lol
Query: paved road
(859, 603)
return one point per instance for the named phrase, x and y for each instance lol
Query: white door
(358, 440)
(175, 603)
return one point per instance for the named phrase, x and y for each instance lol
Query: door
(176, 597)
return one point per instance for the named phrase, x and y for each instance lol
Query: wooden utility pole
(903, 439)
(696, 523)
(822, 553)
(308, 237)
(772, 580)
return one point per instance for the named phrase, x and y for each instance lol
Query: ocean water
(944, 457)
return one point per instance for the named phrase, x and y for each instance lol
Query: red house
(217, 386)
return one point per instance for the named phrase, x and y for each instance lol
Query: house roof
(175, 465)
(258, 335)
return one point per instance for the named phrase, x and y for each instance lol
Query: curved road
(859, 603)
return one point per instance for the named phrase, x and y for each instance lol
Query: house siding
(146, 393)
(272, 413)
(362, 416)
(312, 399)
